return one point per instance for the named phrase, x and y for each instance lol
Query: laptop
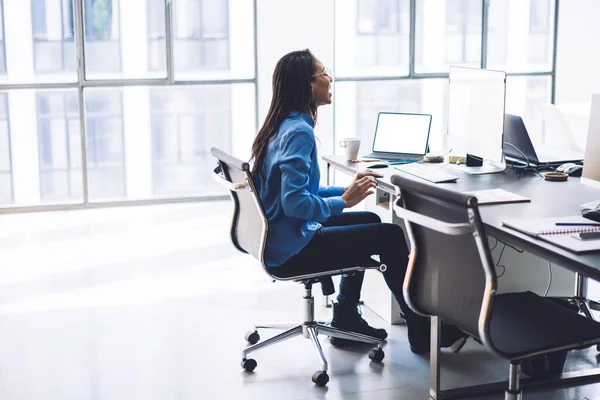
(517, 137)
(400, 137)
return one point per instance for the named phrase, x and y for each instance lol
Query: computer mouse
(593, 214)
(377, 166)
(570, 169)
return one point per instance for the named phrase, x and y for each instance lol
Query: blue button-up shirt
(288, 186)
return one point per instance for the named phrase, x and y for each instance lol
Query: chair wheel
(252, 337)
(376, 354)
(248, 364)
(320, 378)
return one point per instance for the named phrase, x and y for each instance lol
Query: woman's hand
(362, 174)
(359, 190)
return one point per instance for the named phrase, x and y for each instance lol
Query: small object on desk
(556, 176)
(590, 205)
(587, 235)
(457, 159)
(570, 169)
(378, 166)
(593, 214)
(433, 159)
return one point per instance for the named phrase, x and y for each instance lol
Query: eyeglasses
(326, 72)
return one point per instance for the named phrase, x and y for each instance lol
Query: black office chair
(249, 230)
(451, 277)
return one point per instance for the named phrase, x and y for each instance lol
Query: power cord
(498, 265)
(504, 246)
(549, 278)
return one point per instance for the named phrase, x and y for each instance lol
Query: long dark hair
(291, 92)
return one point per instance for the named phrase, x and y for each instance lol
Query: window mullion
(79, 40)
(554, 53)
(412, 38)
(169, 39)
(485, 5)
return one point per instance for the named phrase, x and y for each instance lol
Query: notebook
(497, 196)
(561, 236)
(400, 136)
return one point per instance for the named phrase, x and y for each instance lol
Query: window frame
(83, 83)
(483, 62)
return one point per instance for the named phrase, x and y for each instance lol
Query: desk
(548, 199)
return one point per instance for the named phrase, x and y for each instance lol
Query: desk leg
(326, 300)
(434, 359)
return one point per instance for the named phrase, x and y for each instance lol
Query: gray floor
(153, 302)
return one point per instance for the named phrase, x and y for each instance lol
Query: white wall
(578, 59)
(283, 27)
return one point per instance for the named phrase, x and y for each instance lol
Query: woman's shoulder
(296, 129)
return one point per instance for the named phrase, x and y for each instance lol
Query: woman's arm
(330, 191)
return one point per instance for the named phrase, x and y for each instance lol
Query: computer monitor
(476, 100)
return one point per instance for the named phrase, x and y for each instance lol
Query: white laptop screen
(402, 133)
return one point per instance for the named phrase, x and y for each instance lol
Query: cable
(528, 168)
(528, 164)
(495, 245)
(549, 278)
(504, 246)
(498, 265)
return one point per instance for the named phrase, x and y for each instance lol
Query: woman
(307, 230)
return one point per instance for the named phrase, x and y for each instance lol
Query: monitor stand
(478, 166)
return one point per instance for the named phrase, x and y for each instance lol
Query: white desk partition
(591, 165)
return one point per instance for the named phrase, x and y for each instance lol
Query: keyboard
(591, 205)
(431, 174)
(393, 157)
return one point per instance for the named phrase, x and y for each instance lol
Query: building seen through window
(185, 124)
(105, 144)
(59, 145)
(382, 28)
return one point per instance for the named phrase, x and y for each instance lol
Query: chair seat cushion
(291, 270)
(524, 323)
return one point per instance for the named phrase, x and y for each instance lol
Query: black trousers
(350, 238)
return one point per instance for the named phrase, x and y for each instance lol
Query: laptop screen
(402, 133)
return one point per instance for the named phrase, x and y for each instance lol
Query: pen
(577, 224)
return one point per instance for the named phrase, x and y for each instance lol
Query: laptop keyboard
(393, 157)
(431, 174)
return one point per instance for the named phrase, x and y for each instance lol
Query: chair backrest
(450, 272)
(249, 226)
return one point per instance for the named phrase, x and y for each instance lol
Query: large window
(373, 77)
(186, 123)
(6, 189)
(131, 126)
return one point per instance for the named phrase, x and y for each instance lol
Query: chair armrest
(432, 223)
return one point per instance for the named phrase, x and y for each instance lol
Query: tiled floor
(153, 302)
